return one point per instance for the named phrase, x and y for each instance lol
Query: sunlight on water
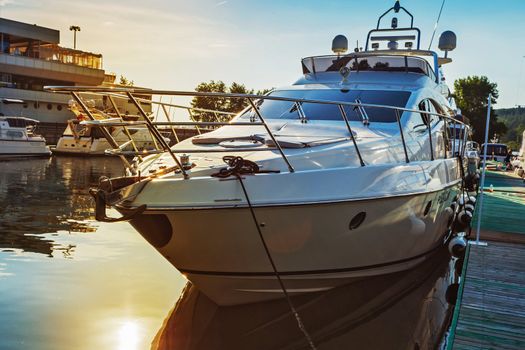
(67, 281)
(128, 336)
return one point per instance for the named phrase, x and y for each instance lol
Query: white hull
(23, 148)
(94, 146)
(314, 249)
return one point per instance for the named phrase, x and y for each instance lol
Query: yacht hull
(10, 149)
(70, 145)
(315, 247)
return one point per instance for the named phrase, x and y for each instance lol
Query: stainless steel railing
(130, 94)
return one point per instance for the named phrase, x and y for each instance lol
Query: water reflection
(104, 288)
(48, 195)
(401, 311)
(109, 289)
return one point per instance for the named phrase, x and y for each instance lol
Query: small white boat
(88, 139)
(18, 139)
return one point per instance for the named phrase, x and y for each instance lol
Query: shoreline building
(31, 58)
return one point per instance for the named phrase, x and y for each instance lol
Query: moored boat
(346, 174)
(19, 140)
(81, 139)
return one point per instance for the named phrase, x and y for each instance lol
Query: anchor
(100, 208)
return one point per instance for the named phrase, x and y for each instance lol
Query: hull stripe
(310, 272)
(152, 209)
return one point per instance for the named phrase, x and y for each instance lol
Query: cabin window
(456, 131)
(272, 109)
(15, 134)
(423, 107)
(36, 105)
(49, 106)
(428, 105)
(496, 149)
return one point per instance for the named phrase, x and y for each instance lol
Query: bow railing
(139, 98)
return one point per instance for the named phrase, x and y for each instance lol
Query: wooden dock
(490, 312)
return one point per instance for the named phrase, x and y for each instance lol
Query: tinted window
(457, 132)
(271, 109)
(497, 150)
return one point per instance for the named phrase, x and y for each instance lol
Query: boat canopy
(375, 61)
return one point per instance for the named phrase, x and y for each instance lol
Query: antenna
(436, 25)
(396, 9)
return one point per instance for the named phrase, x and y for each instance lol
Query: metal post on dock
(483, 170)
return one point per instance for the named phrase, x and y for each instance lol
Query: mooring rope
(236, 167)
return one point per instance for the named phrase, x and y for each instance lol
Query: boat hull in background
(13, 149)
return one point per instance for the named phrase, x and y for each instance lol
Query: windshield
(373, 63)
(497, 150)
(271, 109)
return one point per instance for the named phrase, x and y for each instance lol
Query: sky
(176, 44)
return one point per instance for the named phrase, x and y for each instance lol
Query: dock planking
(492, 310)
(490, 313)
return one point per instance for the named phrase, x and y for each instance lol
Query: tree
(125, 81)
(263, 91)
(471, 95)
(513, 145)
(211, 103)
(238, 104)
(230, 104)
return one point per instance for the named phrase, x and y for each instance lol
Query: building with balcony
(31, 58)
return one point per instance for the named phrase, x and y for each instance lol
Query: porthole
(357, 220)
(49, 106)
(59, 107)
(25, 105)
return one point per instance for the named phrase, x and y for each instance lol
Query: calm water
(69, 282)
(66, 281)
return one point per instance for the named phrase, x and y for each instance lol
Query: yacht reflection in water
(43, 196)
(406, 310)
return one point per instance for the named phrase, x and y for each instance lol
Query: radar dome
(340, 44)
(447, 41)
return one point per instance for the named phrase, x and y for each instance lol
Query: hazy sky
(175, 44)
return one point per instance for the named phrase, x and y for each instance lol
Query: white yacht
(89, 139)
(347, 173)
(18, 139)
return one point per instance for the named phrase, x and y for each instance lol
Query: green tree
(264, 91)
(471, 95)
(211, 103)
(232, 105)
(238, 104)
(125, 81)
(513, 145)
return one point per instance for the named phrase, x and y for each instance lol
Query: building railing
(153, 127)
(51, 65)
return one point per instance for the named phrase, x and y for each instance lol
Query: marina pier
(490, 311)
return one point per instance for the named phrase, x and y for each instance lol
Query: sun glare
(128, 336)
